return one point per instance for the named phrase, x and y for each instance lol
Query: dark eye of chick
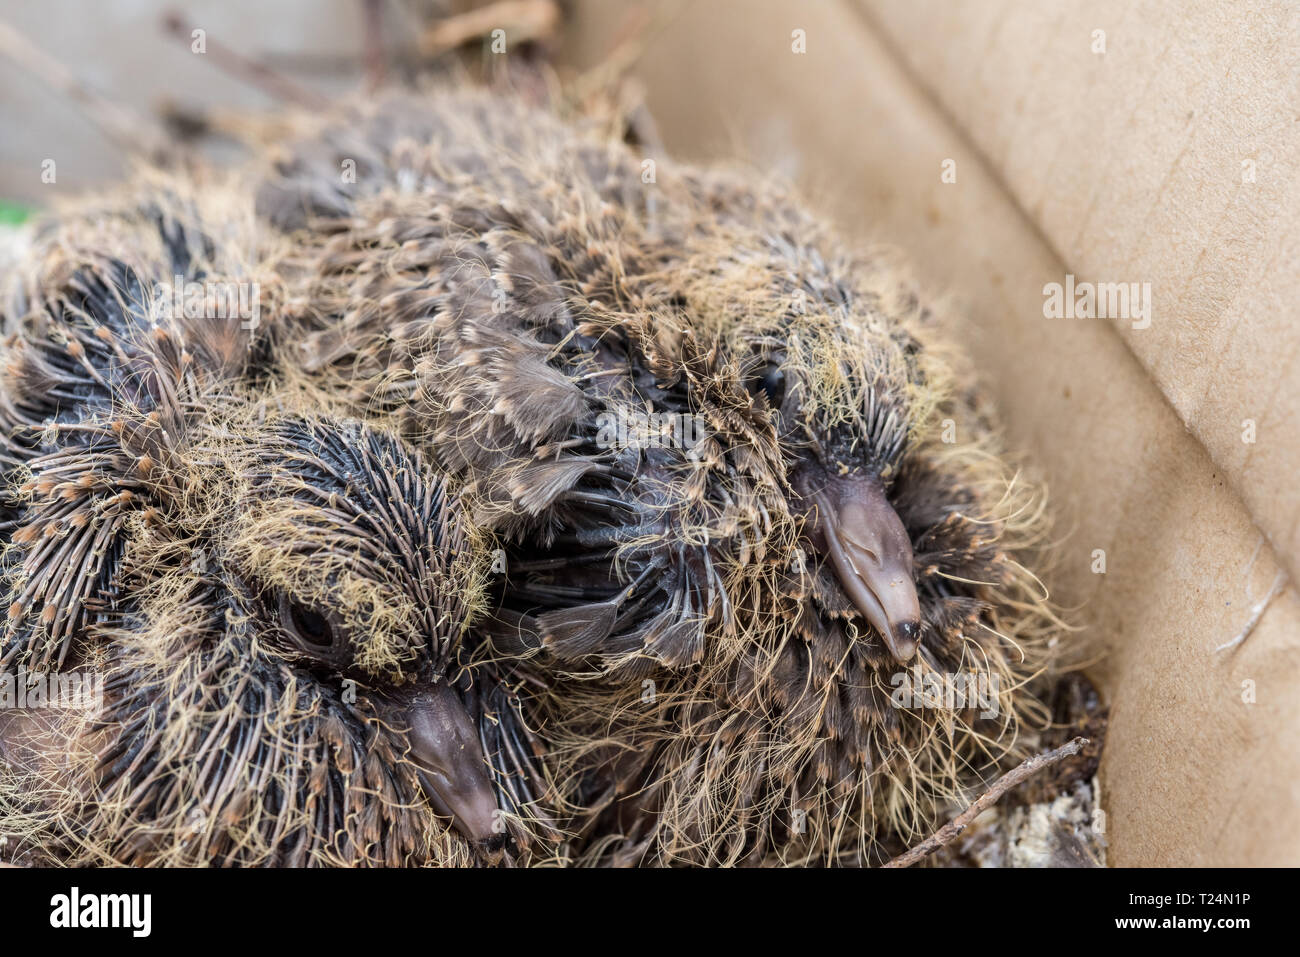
(310, 627)
(773, 384)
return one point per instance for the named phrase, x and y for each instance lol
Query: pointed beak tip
(472, 811)
(905, 639)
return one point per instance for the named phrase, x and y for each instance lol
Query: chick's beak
(445, 748)
(871, 553)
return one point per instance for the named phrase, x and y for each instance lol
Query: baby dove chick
(276, 599)
(756, 525)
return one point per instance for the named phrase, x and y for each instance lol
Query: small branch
(128, 131)
(523, 20)
(953, 829)
(632, 39)
(242, 68)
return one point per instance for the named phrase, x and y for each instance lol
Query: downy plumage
(277, 598)
(759, 532)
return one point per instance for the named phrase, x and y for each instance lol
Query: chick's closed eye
(348, 541)
(319, 634)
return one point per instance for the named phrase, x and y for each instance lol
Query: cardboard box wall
(1122, 166)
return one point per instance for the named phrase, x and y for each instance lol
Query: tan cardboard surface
(118, 47)
(1173, 157)
(1193, 773)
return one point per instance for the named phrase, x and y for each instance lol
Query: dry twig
(243, 68)
(953, 829)
(523, 19)
(129, 131)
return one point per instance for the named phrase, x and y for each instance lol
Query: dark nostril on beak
(907, 636)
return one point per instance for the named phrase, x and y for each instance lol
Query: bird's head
(304, 610)
(846, 392)
(822, 352)
(351, 566)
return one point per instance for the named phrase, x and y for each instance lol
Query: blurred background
(1001, 145)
